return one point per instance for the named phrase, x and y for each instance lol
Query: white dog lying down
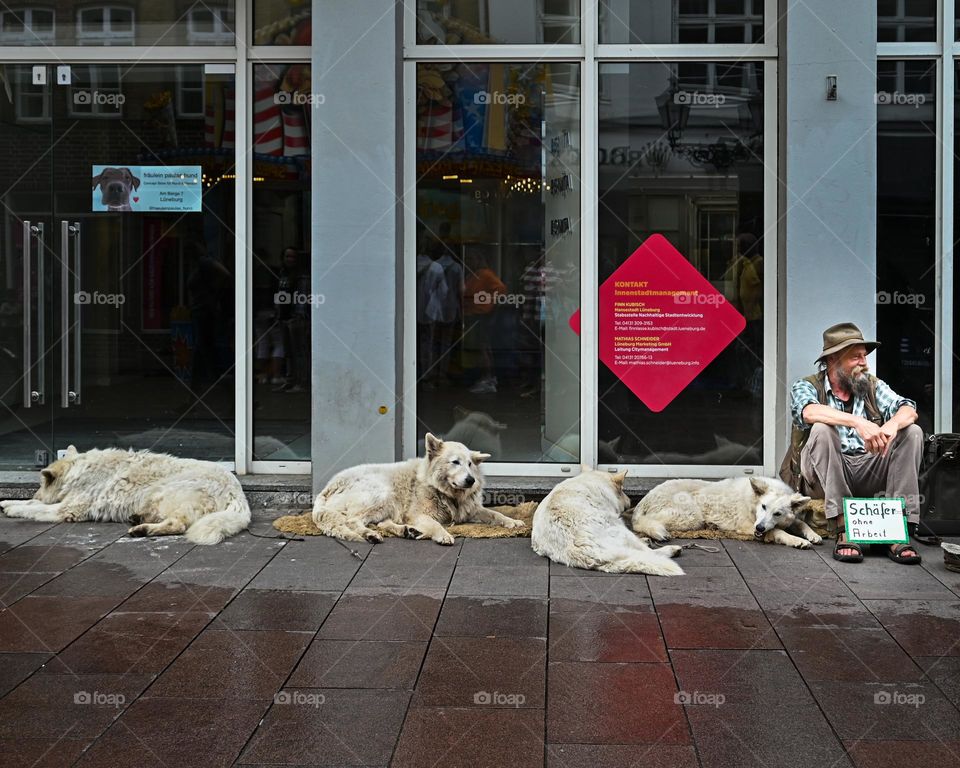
(579, 524)
(762, 507)
(412, 498)
(157, 493)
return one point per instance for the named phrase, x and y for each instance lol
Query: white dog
(157, 493)
(413, 498)
(579, 524)
(760, 507)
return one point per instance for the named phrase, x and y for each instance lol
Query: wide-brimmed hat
(841, 336)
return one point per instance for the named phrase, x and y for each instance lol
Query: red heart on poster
(136, 199)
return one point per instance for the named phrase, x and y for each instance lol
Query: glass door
(128, 307)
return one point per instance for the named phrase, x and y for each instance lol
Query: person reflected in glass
(449, 316)
(481, 298)
(295, 282)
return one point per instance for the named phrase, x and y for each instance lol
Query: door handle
(31, 395)
(69, 396)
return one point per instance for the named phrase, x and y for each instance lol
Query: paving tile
(613, 704)
(492, 617)
(944, 672)
(174, 596)
(151, 734)
(922, 627)
(896, 754)
(17, 667)
(894, 711)
(504, 580)
(471, 738)
(693, 556)
(343, 727)
(42, 753)
(44, 705)
(232, 664)
(500, 552)
(382, 615)
(95, 578)
(758, 557)
(14, 586)
(317, 564)
(812, 611)
(405, 564)
(593, 631)
(230, 564)
(14, 532)
(879, 578)
(49, 624)
(717, 584)
(359, 664)
(741, 678)
(277, 609)
(735, 624)
(620, 755)
(125, 641)
(741, 735)
(615, 589)
(851, 653)
(483, 671)
(50, 558)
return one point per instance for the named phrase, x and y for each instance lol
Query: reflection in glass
(906, 21)
(282, 22)
(281, 262)
(906, 229)
(489, 22)
(697, 22)
(132, 22)
(497, 257)
(681, 150)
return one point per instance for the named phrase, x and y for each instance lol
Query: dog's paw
(444, 538)
(409, 532)
(373, 537)
(813, 538)
(137, 531)
(801, 544)
(511, 523)
(671, 551)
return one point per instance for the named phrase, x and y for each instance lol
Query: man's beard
(855, 382)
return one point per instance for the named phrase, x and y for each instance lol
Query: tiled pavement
(118, 652)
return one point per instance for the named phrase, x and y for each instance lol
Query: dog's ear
(614, 444)
(798, 501)
(618, 478)
(759, 487)
(136, 181)
(479, 458)
(433, 444)
(97, 180)
(47, 476)
(585, 468)
(459, 412)
(72, 450)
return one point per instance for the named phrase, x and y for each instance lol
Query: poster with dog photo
(147, 188)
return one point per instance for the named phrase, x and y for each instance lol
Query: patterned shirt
(803, 393)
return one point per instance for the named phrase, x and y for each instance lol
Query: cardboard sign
(661, 322)
(147, 188)
(875, 521)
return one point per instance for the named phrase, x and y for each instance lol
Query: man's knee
(823, 433)
(912, 434)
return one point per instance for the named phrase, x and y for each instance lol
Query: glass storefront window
(491, 22)
(906, 229)
(282, 22)
(498, 257)
(697, 22)
(906, 21)
(681, 156)
(282, 300)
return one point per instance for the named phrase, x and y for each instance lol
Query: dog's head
(453, 468)
(115, 185)
(775, 507)
(611, 485)
(52, 476)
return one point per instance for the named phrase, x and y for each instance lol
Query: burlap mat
(302, 525)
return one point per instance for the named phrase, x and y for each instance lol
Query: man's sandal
(896, 553)
(857, 558)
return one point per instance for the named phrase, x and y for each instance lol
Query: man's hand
(875, 439)
(889, 429)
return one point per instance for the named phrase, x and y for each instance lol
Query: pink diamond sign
(661, 322)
